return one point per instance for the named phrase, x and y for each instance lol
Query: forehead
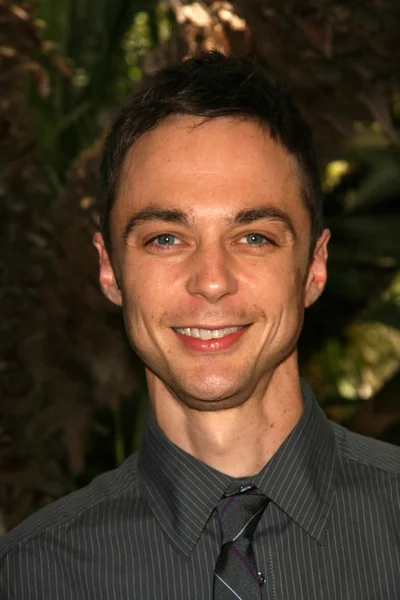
(208, 165)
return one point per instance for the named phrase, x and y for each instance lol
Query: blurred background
(72, 393)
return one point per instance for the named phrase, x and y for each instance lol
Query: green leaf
(373, 238)
(386, 314)
(383, 182)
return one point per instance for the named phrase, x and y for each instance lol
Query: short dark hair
(211, 85)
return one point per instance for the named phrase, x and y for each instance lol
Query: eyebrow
(271, 213)
(155, 214)
(180, 217)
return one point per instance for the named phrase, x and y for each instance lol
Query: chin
(210, 395)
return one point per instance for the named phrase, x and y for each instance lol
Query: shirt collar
(183, 492)
(300, 477)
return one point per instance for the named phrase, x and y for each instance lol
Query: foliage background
(72, 392)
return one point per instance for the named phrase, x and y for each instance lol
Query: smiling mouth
(208, 334)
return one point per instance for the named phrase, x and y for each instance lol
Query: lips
(210, 340)
(207, 334)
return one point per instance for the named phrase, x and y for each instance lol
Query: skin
(234, 407)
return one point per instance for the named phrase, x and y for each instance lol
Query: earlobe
(317, 273)
(107, 278)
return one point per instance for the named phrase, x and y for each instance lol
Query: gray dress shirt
(149, 531)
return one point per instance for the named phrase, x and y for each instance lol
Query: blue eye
(165, 239)
(255, 239)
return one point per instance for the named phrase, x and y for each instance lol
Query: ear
(107, 278)
(317, 273)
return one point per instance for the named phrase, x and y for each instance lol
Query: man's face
(211, 258)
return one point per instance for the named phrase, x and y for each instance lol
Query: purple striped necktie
(235, 574)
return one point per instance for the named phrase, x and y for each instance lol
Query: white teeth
(218, 333)
(207, 334)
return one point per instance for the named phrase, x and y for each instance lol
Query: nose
(211, 274)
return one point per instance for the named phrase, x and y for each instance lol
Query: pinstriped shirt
(149, 529)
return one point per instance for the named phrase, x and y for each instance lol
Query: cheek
(145, 293)
(278, 284)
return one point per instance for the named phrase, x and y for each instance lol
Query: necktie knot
(240, 512)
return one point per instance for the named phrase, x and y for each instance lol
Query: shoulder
(103, 489)
(362, 450)
(367, 486)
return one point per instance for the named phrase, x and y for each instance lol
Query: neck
(236, 441)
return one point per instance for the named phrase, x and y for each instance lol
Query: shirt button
(245, 488)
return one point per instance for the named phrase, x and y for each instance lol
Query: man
(211, 241)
